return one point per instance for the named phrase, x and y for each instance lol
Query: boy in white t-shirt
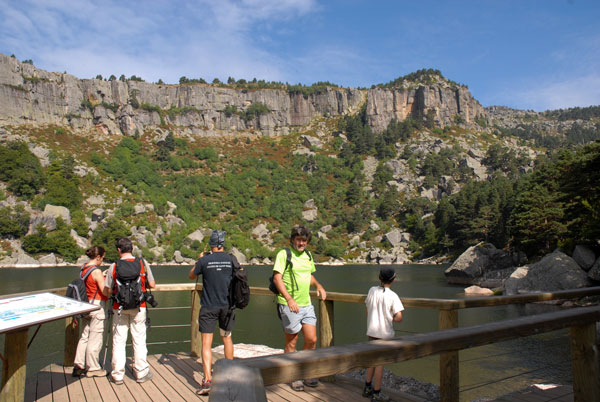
(383, 308)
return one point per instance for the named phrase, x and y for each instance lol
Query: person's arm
(320, 290)
(397, 317)
(192, 275)
(108, 274)
(278, 281)
(98, 276)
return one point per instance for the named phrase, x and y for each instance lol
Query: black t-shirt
(216, 270)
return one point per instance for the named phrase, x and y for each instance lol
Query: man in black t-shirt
(216, 269)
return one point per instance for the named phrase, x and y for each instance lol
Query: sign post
(17, 314)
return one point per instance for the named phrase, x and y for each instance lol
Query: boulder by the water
(483, 265)
(556, 271)
(594, 272)
(584, 256)
(478, 291)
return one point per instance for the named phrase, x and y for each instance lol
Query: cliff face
(31, 95)
(449, 105)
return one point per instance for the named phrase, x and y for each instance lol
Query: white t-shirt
(382, 304)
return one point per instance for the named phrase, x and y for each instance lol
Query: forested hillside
(418, 189)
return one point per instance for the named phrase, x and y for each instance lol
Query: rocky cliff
(31, 95)
(448, 105)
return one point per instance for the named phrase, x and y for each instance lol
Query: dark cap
(217, 239)
(387, 274)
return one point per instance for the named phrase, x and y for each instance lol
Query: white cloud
(579, 91)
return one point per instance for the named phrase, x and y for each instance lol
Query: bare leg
(207, 355)
(377, 379)
(370, 372)
(290, 342)
(228, 346)
(310, 336)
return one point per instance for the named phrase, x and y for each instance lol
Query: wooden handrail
(448, 319)
(440, 304)
(282, 368)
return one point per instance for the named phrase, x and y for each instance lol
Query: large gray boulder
(58, 211)
(584, 256)
(483, 265)
(594, 272)
(239, 255)
(556, 271)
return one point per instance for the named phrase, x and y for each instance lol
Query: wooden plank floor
(175, 378)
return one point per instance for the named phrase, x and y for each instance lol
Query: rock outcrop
(30, 95)
(556, 271)
(449, 105)
(483, 265)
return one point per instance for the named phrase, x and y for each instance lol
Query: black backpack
(288, 265)
(128, 281)
(77, 290)
(239, 290)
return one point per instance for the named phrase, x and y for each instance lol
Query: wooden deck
(177, 376)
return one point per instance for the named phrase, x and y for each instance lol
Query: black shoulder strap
(288, 259)
(235, 262)
(84, 277)
(309, 254)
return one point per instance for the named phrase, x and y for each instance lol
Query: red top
(91, 286)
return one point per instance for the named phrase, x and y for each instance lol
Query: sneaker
(116, 382)
(297, 385)
(145, 378)
(204, 388)
(379, 397)
(311, 382)
(367, 390)
(78, 371)
(96, 373)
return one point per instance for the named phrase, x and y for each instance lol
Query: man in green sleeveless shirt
(293, 302)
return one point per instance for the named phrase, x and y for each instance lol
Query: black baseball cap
(387, 274)
(217, 239)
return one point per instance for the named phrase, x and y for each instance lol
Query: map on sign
(25, 311)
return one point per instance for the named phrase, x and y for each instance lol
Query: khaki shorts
(292, 322)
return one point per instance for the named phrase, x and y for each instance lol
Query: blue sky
(526, 54)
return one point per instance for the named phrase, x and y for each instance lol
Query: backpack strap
(289, 265)
(84, 279)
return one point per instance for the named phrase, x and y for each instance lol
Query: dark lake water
(490, 370)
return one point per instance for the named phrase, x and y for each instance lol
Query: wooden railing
(448, 320)
(253, 373)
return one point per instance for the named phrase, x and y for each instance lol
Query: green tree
(108, 235)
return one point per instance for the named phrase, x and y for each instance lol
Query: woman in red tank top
(88, 349)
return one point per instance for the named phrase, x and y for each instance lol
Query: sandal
(297, 385)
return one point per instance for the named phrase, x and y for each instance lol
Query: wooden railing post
(196, 339)
(325, 323)
(14, 367)
(449, 374)
(325, 320)
(71, 339)
(584, 357)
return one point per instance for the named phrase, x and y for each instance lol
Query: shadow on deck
(175, 378)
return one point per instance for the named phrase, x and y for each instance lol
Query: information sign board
(26, 311)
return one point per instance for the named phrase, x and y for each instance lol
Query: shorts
(209, 316)
(292, 322)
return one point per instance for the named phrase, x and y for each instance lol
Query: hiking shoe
(96, 373)
(311, 382)
(116, 382)
(78, 371)
(204, 388)
(379, 397)
(367, 391)
(297, 385)
(145, 378)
